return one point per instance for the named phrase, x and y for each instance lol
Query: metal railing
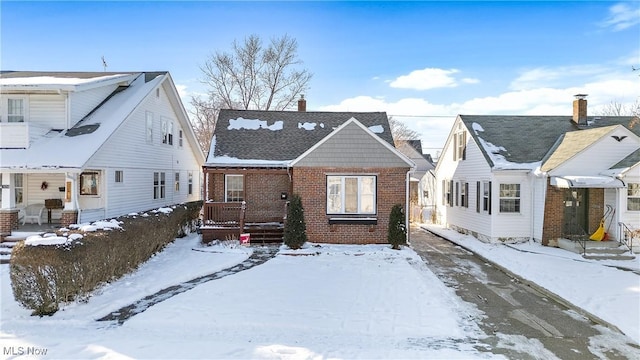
(627, 235)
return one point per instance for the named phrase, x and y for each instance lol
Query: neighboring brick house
(342, 164)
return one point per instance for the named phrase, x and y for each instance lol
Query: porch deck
(226, 220)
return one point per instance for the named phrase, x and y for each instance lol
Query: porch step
(5, 251)
(597, 250)
(609, 257)
(264, 234)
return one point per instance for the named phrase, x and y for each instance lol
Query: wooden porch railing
(222, 220)
(224, 214)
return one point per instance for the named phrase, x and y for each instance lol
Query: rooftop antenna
(104, 64)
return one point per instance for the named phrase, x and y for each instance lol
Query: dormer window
(15, 110)
(459, 144)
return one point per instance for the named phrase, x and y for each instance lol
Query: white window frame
(510, 198)
(633, 193)
(90, 183)
(190, 182)
(159, 185)
(486, 191)
(177, 182)
(25, 108)
(332, 197)
(149, 127)
(237, 194)
(180, 138)
(167, 130)
(18, 188)
(118, 176)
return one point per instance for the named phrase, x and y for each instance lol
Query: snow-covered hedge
(66, 266)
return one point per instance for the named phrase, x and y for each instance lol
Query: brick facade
(263, 192)
(554, 210)
(8, 222)
(310, 184)
(553, 214)
(68, 217)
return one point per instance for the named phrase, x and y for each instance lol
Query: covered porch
(583, 214)
(37, 200)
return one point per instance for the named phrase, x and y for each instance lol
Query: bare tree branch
(401, 132)
(254, 77)
(249, 76)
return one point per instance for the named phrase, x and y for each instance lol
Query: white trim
(566, 182)
(227, 176)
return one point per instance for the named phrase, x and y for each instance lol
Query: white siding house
(542, 178)
(102, 144)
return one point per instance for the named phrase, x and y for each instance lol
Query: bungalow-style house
(546, 178)
(93, 145)
(422, 186)
(343, 165)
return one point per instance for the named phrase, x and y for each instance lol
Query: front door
(575, 212)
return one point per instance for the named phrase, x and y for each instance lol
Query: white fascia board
(62, 85)
(187, 129)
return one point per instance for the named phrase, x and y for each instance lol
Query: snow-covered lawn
(322, 302)
(330, 302)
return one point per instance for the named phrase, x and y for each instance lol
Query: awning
(567, 182)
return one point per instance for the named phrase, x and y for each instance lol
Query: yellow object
(600, 233)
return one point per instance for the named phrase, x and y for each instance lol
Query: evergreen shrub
(397, 232)
(295, 228)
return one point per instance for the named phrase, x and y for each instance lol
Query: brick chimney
(580, 109)
(302, 104)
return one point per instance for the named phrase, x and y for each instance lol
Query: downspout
(532, 208)
(406, 201)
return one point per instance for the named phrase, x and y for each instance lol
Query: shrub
(44, 276)
(295, 229)
(397, 232)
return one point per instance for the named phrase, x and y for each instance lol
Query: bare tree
(252, 76)
(401, 132)
(615, 108)
(203, 120)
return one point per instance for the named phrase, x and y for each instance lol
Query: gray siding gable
(352, 146)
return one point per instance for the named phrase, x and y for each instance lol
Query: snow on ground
(607, 289)
(324, 301)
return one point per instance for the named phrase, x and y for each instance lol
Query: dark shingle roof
(528, 139)
(291, 140)
(629, 161)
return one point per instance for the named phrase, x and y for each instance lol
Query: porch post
(70, 211)
(9, 212)
(8, 191)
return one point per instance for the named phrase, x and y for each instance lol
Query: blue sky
(424, 59)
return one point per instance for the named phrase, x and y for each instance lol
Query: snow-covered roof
(524, 142)
(274, 138)
(68, 81)
(57, 150)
